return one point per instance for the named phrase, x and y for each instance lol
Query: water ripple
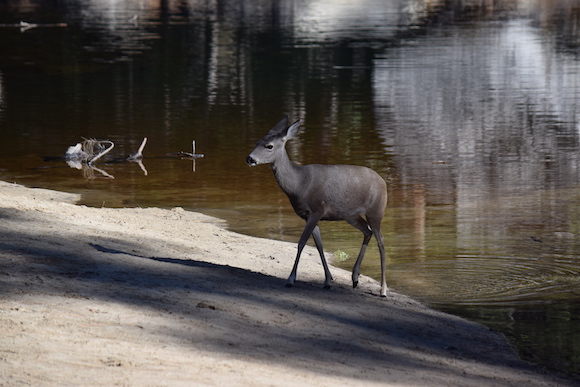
(471, 279)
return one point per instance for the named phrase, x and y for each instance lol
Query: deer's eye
(269, 146)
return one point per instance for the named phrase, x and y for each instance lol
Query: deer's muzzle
(251, 162)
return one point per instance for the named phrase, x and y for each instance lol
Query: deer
(325, 192)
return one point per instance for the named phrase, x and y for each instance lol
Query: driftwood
(139, 154)
(84, 154)
(88, 151)
(138, 157)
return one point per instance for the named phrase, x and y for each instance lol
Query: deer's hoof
(354, 284)
(326, 286)
(289, 285)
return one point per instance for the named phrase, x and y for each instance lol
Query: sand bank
(153, 297)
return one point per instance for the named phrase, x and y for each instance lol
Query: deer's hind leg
(364, 227)
(375, 224)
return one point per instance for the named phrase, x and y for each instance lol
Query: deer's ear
(280, 126)
(293, 129)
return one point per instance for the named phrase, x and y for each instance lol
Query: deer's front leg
(318, 241)
(310, 225)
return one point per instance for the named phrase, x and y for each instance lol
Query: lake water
(469, 110)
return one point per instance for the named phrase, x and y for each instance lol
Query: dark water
(470, 110)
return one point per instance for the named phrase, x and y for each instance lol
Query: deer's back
(338, 191)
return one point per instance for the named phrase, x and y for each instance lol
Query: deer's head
(272, 146)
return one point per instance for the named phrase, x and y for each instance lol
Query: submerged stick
(140, 151)
(138, 157)
(139, 154)
(186, 155)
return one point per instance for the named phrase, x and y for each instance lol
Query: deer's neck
(287, 174)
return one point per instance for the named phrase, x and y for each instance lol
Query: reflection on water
(493, 132)
(468, 109)
(328, 21)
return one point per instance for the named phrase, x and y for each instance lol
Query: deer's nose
(250, 160)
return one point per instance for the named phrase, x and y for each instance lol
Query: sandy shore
(152, 297)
